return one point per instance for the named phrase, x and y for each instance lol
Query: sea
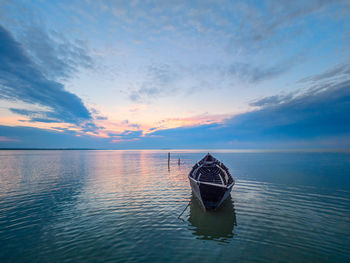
(132, 206)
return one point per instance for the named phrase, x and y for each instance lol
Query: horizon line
(179, 150)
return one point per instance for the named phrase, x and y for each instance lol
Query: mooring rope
(189, 202)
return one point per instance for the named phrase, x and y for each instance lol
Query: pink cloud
(7, 139)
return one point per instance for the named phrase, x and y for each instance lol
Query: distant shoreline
(47, 149)
(344, 150)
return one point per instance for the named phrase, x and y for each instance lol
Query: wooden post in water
(178, 162)
(168, 159)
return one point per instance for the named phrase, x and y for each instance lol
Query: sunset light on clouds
(172, 74)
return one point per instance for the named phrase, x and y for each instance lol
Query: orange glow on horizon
(114, 129)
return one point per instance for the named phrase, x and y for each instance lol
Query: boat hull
(210, 196)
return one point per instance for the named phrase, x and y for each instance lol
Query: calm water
(123, 206)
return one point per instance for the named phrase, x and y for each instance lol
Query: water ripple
(123, 206)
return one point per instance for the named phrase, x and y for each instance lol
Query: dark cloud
(311, 116)
(341, 71)
(97, 115)
(37, 116)
(272, 100)
(91, 127)
(55, 56)
(21, 80)
(315, 118)
(28, 113)
(28, 137)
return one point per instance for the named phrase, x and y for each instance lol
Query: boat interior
(211, 170)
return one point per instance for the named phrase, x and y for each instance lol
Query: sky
(174, 74)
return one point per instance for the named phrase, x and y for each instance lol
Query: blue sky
(172, 74)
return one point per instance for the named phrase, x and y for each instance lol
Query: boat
(211, 182)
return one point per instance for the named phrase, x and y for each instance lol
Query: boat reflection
(213, 225)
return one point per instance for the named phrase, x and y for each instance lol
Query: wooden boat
(211, 182)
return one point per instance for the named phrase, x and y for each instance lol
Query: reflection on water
(212, 225)
(117, 206)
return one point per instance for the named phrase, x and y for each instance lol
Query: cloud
(158, 82)
(126, 136)
(91, 127)
(101, 118)
(313, 113)
(277, 21)
(312, 119)
(22, 80)
(311, 116)
(241, 25)
(8, 139)
(29, 137)
(97, 115)
(318, 83)
(172, 79)
(272, 100)
(254, 74)
(341, 71)
(54, 55)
